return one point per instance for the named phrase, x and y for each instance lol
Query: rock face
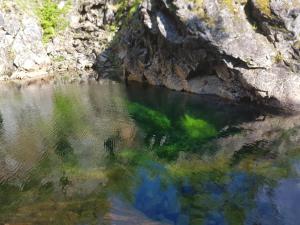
(240, 50)
(87, 36)
(73, 50)
(21, 47)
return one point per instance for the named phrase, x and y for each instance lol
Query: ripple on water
(113, 154)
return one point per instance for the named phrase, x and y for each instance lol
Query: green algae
(198, 128)
(148, 117)
(58, 191)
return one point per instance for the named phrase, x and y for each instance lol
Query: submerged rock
(235, 49)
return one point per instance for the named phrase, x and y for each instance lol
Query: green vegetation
(264, 6)
(73, 182)
(134, 7)
(197, 128)
(52, 18)
(59, 58)
(230, 4)
(125, 10)
(149, 117)
(278, 57)
(185, 134)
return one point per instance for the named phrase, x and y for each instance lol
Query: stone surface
(21, 47)
(22, 53)
(235, 49)
(87, 36)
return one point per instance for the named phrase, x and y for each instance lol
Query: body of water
(106, 153)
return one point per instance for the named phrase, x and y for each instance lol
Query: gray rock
(20, 43)
(2, 22)
(30, 53)
(109, 16)
(234, 49)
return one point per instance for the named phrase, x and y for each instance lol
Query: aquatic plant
(168, 152)
(68, 123)
(185, 134)
(198, 128)
(67, 114)
(149, 119)
(134, 157)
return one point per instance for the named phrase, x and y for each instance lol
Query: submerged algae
(198, 128)
(177, 180)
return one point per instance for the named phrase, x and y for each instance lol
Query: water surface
(105, 153)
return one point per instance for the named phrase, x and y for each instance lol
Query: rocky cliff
(41, 37)
(21, 47)
(236, 49)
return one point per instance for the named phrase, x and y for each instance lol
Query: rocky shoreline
(239, 50)
(246, 50)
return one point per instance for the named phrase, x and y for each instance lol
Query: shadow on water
(176, 121)
(110, 154)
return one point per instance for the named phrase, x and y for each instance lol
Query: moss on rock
(264, 6)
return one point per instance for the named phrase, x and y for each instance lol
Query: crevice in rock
(249, 8)
(203, 69)
(169, 13)
(98, 6)
(262, 23)
(238, 63)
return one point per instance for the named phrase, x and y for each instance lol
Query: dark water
(109, 154)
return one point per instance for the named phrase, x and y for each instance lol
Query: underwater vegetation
(150, 120)
(168, 136)
(68, 115)
(173, 173)
(198, 128)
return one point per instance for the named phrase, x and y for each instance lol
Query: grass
(51, 18)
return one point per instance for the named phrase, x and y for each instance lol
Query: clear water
(113, 154)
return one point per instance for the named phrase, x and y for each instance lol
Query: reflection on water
(110, 154)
